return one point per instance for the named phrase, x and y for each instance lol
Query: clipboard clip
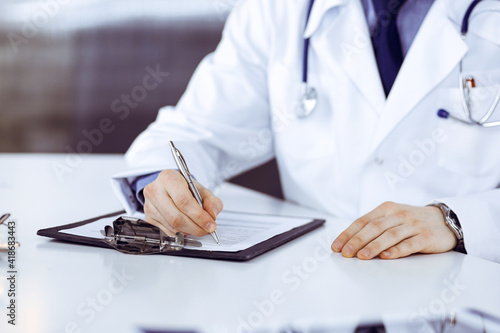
(135, 236)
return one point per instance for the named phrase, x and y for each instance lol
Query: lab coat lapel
(318, 11)
(348, 41)
(435, 52)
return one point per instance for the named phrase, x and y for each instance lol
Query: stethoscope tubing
(305, 57)
(305, 89)
(465, 21)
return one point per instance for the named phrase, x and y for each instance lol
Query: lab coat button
(378, 160)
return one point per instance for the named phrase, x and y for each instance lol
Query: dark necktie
(386, 43)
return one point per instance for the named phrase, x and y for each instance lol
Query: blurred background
(67, 64)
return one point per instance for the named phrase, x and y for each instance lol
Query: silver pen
(183, 168)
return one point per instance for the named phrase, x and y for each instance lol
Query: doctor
(372, 149)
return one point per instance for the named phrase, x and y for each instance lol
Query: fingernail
(337, 246)
(348, 251)
(364, 253)
(210, 227)
(386, 253)
(216, 211)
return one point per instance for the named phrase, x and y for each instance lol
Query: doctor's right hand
(170, 205)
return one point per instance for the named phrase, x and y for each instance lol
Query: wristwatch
(452, 222)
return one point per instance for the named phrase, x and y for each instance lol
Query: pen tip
(215, 237)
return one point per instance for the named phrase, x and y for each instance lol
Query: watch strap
(460, 247)
(452, 222)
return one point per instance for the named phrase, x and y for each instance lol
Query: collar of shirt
(409, 19)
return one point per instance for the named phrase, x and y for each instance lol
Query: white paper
(236, 231)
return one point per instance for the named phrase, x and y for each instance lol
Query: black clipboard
(243, 255)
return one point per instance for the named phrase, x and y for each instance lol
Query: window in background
(65, 64)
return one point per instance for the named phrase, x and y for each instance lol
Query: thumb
(211, 204)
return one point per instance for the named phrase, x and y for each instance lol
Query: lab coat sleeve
(222, 123)
(479, 218)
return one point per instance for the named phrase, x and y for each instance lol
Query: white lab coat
(357, 149)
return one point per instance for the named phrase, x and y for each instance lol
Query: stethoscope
(309, 96)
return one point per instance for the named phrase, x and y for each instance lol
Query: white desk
(57, 281)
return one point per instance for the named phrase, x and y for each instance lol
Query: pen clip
(181, 163)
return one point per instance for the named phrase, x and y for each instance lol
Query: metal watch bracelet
(452, 222)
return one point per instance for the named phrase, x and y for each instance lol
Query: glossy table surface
(65, 287)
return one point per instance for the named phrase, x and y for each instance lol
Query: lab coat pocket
(481, 91)
(469, 149)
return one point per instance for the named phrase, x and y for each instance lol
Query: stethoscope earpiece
(309, 96)
(467, 83)
(442, 113)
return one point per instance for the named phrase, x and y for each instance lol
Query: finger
(211, 204)
(154, 217)
(359, 224)
(188, 206)
(180, 220)
(166, 230)
(369, 233)
(386, 240)
(178, 190)
(403, 249)
(168, 212)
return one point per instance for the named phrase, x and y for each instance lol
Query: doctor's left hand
(393, 231)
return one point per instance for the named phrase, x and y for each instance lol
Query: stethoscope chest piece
(308, 101)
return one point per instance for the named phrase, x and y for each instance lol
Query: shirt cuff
(138, 186)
